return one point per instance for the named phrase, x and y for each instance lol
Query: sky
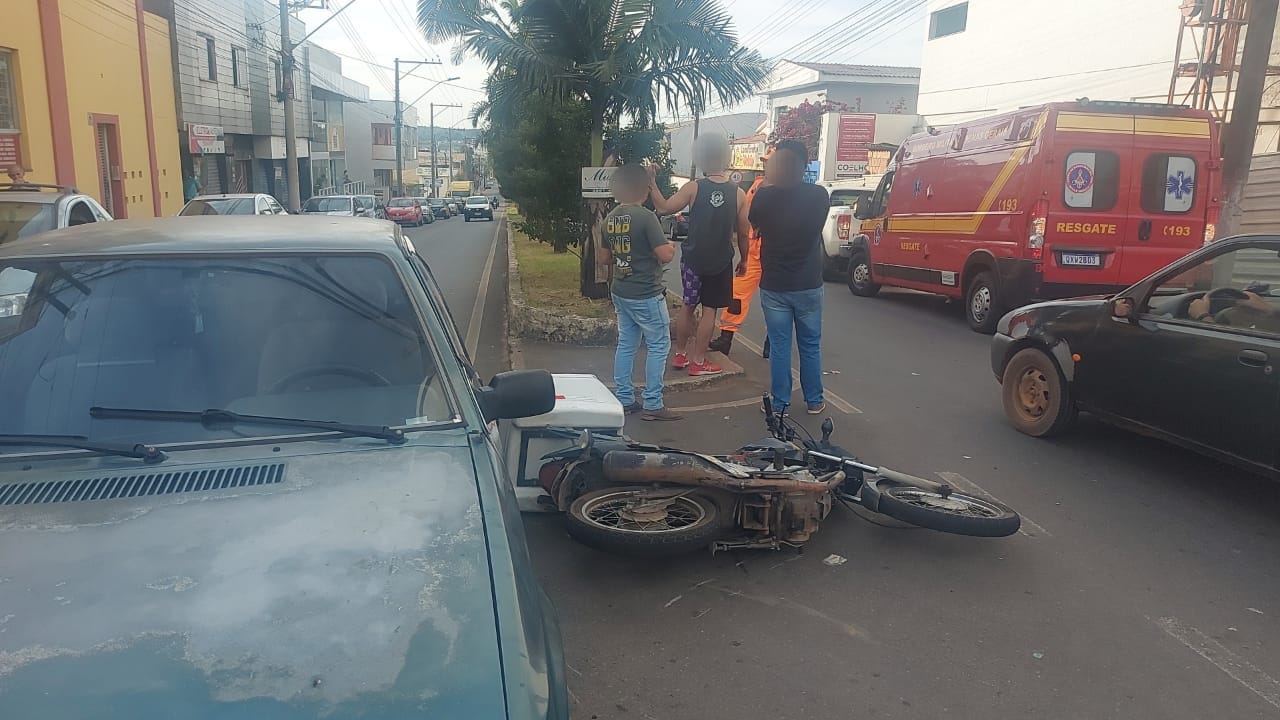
(371, 34)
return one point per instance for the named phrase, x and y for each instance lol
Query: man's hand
(1198, 308)
(1255, 301)
(652, 169)
(741, 270)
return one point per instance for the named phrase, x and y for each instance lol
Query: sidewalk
(598, 361)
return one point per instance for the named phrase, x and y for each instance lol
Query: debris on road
(1038, 655)
(834, 560)
(673, 601)
(1256, 610)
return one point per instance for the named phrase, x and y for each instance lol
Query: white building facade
(983, 57)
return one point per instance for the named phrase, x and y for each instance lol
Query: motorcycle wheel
(601, 519)
(957, 513)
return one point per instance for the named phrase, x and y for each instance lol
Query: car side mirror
(517, 394)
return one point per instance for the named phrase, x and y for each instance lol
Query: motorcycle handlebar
(884, 472)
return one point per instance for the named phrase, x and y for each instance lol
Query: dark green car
(247, 471)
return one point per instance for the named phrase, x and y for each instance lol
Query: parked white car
(838, 232)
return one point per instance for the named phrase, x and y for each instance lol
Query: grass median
(550, 280)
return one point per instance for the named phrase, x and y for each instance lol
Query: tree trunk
(594, 277)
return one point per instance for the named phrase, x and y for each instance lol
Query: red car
(406, 211)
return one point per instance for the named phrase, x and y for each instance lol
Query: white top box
(582, 401)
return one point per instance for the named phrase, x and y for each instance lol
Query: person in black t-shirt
(789, 215)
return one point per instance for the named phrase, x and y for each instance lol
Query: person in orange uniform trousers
(744, 284)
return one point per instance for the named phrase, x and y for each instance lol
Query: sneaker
(633, 408)
(661, 414)
(680, 361)
(817, 409)
(705, 368)
(723, 343)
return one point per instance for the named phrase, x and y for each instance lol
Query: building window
(238, 69)
(383, 134)
(210, 69)
(382, 178)
(948, 21)
(8, 97)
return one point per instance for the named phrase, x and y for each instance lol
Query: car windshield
(24, 219)
(220, 206)
(478, 200)
(324, 337)
(401, 202)
(437, 202)
(327, 204)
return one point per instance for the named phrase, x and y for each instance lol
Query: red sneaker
(705, 368)
(680, 361)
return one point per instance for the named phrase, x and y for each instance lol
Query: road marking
(966, 484)
(477, 312)
(717, 406)
(840, 403)
(1236, 667)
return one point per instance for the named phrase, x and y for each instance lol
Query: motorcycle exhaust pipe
(633, 467)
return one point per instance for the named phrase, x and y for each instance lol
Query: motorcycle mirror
(828, 427)
(584, 440)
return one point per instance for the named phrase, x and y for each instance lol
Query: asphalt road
(1142, 586)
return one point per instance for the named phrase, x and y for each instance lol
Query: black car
(440, 208)
(1187, 355)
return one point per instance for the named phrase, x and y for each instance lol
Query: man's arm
(683, 197)
(663, 248)
(744, 232)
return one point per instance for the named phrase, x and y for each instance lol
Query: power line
(886, 16)
(762, 28)
(836, 28)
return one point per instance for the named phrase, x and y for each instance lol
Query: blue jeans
(650, 320)
(801, 309)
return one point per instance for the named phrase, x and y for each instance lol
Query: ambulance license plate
(1082, 259)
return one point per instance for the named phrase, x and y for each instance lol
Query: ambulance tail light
(1211, 226)
(843, 225)
(1035, 242)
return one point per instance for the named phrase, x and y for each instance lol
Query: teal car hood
(350, 583)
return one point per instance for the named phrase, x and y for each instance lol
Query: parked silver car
(28, 209)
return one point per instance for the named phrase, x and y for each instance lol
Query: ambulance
(1057, 200)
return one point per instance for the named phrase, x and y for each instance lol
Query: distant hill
(466, 134)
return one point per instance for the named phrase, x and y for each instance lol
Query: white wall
(1014, 54)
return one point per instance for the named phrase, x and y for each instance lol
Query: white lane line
(718, 406)
(838, 402)
(968, 485)
(1236, 667)
(477, 311)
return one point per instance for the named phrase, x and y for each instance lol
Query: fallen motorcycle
(638, 499)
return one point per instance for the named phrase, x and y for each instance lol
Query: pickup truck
(838, 230)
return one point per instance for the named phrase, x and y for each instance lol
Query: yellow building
(87, 99)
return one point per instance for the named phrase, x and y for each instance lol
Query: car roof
(229, 196)
(196, 234)
(33, 196)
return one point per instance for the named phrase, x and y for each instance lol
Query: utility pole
(693, 162)
(399, 120)
(290, 129)
(1239, 134)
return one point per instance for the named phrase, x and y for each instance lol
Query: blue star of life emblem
(1180, 185)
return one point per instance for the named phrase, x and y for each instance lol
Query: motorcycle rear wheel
(957, 513)
(603, 520)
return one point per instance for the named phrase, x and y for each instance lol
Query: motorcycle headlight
(12, 305)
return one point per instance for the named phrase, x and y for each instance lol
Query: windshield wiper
(146, 453)
(212, 418)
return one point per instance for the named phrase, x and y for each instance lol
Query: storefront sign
(854, 132)
(595, 182)
(205, 140)
(10, 152)
(746, 156)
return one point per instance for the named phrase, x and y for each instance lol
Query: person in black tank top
(717, 211)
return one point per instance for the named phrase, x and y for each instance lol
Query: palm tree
(621, 57)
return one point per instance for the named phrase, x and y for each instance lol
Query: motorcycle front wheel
(956, 513)
(623, 520)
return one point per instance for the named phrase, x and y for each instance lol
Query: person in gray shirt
(637, 247)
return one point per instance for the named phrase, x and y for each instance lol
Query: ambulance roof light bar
(1121, 106)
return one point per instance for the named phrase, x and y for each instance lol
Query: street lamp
(399, 119)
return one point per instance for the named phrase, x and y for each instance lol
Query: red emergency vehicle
(1051, 201)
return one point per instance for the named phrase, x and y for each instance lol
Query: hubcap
(980, 305)
(861, 274)
(1033, 393)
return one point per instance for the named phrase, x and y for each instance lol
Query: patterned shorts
(712, 291)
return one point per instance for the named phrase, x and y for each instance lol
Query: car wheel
(982, 303)
(468, 218)
(1037, 398)
(859, 276)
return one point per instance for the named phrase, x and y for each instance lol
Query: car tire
(1036, 396)
(982, 303)
(858, 276)
(468, 218)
